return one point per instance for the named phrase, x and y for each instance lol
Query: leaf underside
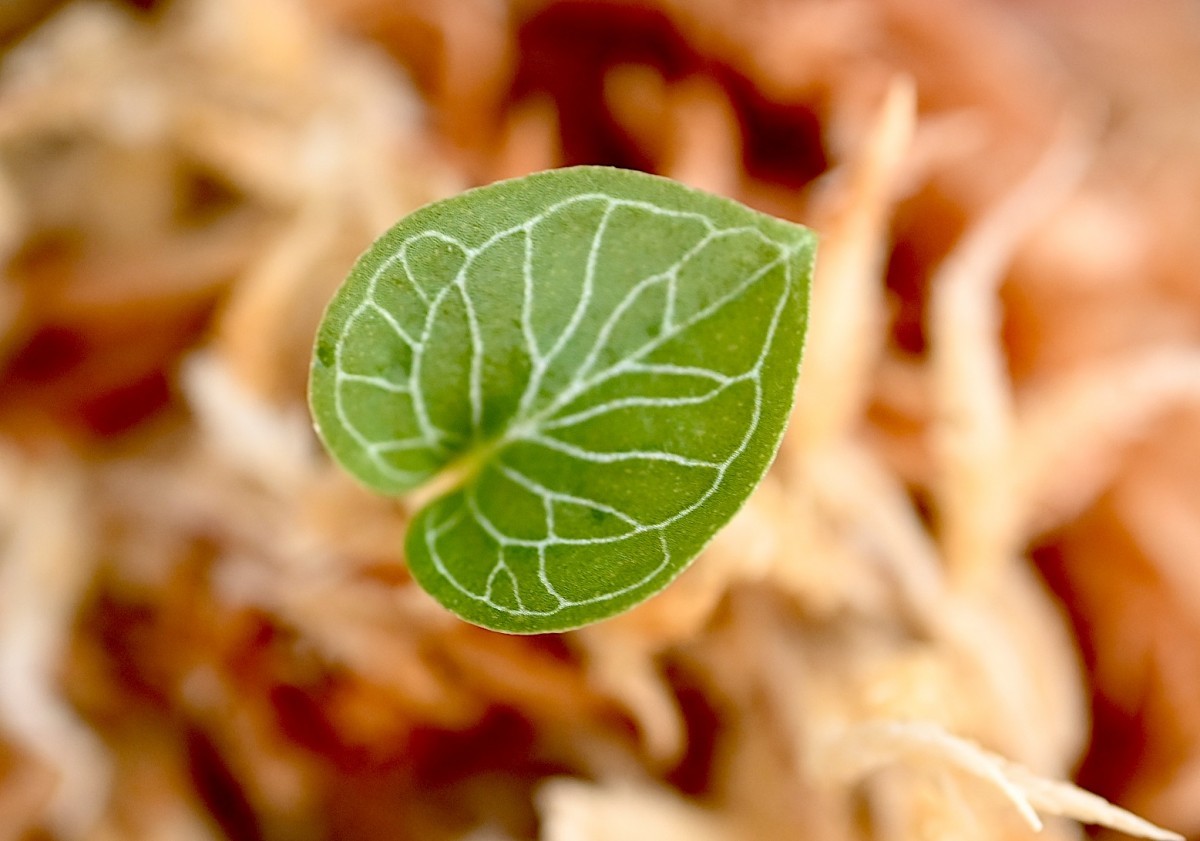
(607, 359)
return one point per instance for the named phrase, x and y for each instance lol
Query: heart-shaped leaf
(601, 361)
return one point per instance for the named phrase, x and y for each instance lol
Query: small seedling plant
(591, 367)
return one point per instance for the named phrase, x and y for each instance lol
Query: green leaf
(600, 361)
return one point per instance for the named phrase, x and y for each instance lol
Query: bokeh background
(973, 573)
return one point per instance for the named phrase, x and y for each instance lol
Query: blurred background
(981, 538)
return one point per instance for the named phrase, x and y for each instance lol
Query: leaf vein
(372, 380)
(598, 457)
(587, 414)
(551, 495)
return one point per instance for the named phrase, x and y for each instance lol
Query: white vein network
(532, 423)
